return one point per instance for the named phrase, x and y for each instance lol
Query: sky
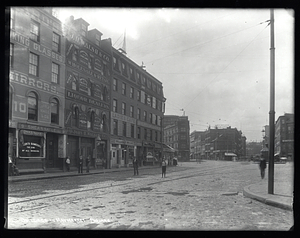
(214, 64)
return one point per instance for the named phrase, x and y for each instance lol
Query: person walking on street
(135, 166)
(163, 168)
(88, 161)
(262, 166)
(80, 164)
(68, 163)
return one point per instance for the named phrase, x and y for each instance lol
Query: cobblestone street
(205, 196)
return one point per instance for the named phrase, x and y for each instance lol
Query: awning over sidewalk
(168, 148)
(230, 154)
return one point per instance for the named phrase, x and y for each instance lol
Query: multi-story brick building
(225, 143)
(36, 89)
(137, 112)
(176, 135)
(284, 136)
(87, 92)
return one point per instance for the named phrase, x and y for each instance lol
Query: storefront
(39, 147)
(122, 152)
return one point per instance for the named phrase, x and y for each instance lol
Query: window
(132, 130)
(83, 29)
(139, 95)
(91, 120)
(11, 53)
(123, 88)
(154, 102)
(124, 71)
(150, 117)
(98, 39)
(115, 105)
(124, 128)
(145, 133)
(115, 127)
(54, 111)
(123, 108)
(131, 111)
(33, 64)
(139, 114)
(131, 92)
(32, 106)
(76, 116)
(56, 42)
(150, 134)
(55, 73)
(139, 133)
(156, 134)
(12, 18)
(115, 85)
(131, 74)
(143, 97)
(35, 31)
(115, 62)
(145, 116)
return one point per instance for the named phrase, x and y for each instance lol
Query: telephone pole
(272, 107)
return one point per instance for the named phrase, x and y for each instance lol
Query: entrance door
(73, 152)
(114, 157)
(52, 149)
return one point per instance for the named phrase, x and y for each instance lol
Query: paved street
(206, 196)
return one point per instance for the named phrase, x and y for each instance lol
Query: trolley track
(112, 187)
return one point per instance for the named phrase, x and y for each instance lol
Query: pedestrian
(135, 166)
(80, 164)
(68, 163)
(88, 161)
(10, 166)
(163, 168)
(262, 166)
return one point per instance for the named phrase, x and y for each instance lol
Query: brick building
(176, 135)
(137, 110)
(284, 136)
(36, 89)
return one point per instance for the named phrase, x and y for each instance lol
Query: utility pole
(272, 107)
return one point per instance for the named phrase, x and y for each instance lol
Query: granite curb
(69, 174)
(269, 199)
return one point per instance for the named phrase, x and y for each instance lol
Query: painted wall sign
(23, 79)
(39, 128)
(72, 95)
(48, 52)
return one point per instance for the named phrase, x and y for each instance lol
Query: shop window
(32, 101)
(31, 146)
(54, 111)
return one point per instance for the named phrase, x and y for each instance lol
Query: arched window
(54, 111)
(32, 106)
(104, 123)
(91, 119)
(76, 115)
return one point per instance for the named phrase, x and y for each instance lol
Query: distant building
(222, 144)
(284, 136)
(176, 135)
(197, 145)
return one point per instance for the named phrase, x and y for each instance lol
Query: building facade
(36, 89)
(137, 109)
(197, 143)
(284, 136)
(225, 143)
(87, 93)
(176, 135)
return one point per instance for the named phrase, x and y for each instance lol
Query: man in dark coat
(135, 166)
(262, 166)
(80, 164)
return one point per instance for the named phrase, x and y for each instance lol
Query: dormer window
(83, 29)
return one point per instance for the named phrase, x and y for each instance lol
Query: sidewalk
(73, 172)
(283, 190)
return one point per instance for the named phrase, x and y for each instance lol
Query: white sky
(213, 63)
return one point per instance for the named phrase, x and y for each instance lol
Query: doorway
(52, 151)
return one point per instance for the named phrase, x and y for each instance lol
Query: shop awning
(230, 154)
(168, 148)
